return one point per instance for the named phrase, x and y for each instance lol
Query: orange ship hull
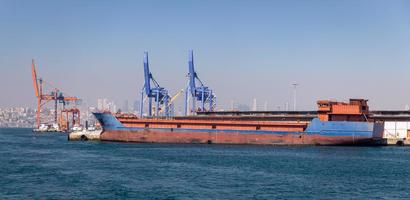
(195, 137)
(315, 132)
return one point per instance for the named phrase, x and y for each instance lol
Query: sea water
(48, 166)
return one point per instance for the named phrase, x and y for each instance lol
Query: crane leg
(55, 108)
(142, 103)
(157, 106)
(186, 102)
(166, 107)
(193, 105)
(203, 100)
(149, 106)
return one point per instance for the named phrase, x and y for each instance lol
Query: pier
(84, 135)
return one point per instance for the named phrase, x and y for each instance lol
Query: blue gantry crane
(198, 94)
(159, 94)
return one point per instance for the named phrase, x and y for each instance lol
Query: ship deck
(212, 123)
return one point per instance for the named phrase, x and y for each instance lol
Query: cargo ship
(337, 123)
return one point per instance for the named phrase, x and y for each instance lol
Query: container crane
(158, 94)
(198, 94)
(55, 95)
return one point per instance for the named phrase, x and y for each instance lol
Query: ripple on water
(49, 166)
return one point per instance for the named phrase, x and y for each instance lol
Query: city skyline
(243, 50)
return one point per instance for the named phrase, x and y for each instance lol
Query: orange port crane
(44, 97)
(64, 118)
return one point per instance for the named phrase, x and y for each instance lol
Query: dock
(84, 135)
(397, 141)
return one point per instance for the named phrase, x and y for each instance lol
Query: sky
(243, 49)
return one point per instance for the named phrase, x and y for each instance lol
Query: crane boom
(34, 76)
(147, 74)
(173, 98)
(176, 96)
(192, 74)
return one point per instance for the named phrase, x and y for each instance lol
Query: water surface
(47, 166)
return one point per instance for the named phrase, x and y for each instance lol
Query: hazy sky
(243, 49)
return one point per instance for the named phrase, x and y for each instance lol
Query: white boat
(77, 128)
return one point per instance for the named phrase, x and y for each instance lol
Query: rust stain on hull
(157, 136)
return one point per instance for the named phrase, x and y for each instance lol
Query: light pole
(294, 95)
